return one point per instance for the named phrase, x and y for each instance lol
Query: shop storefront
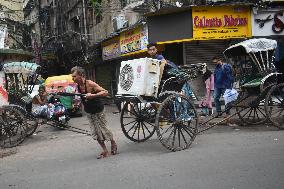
(269, 23)
(129, 44)
(215, 29)
(203, 32)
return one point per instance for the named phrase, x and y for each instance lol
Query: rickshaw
(17, 122)
(258, 82)
(64, 83)
(173, 116)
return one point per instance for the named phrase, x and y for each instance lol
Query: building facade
(13, 32)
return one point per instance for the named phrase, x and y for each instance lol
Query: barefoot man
(95, 110)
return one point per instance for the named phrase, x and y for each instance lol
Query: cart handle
(68, 94)
(74, 94)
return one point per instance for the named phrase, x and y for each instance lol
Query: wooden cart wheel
(251, 113)
(176, 122)
(138, 120)
(12, 127)
(274, 105)
(32, 122)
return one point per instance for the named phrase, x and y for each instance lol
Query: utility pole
(85, 30)
(39, 46)
(54, 17)
(84, 15)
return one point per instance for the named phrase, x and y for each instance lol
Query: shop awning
(16, 52)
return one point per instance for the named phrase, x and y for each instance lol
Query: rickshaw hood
(251, 46)
(20, 67)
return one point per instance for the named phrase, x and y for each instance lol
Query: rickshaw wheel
(274, 105)
(176, 122)
(251, 113)
(138, 120)
(12, 127)
(32, 122)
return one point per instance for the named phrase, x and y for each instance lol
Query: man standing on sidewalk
(95, 109)
(223, 78)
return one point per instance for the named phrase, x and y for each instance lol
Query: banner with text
(134, 40)
(111, 49)
(221, 22)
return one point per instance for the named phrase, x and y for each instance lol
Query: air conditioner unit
(119, 22)
(139, 77)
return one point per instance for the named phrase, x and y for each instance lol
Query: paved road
(220, 158)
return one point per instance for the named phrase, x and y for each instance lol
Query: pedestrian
(206, 103)
(94, 108)
(223, 79)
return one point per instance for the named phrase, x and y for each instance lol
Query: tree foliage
(97, 5)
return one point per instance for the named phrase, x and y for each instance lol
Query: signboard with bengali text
(111, 49)
(222, 22)
(134, 40)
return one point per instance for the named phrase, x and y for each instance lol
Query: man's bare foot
(113, 149)
(103, 155)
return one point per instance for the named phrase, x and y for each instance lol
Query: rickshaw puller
(95, 110)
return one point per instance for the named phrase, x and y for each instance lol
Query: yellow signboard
(111, 49)
(134, 40)
(221, 22)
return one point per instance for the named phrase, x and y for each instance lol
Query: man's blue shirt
(169, 63)
(223, 76)
(159, 57)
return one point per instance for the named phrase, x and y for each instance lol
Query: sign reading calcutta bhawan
(221, 22)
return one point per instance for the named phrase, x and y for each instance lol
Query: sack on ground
(230, 95)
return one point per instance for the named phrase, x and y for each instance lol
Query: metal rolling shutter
(203, 51)
(103, 76)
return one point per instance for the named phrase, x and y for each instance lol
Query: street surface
(221, 158)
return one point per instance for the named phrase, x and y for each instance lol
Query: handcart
(17, 121)
(152, 105)
(260, 83)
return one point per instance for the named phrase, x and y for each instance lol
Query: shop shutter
(203, 51)
(103, 75)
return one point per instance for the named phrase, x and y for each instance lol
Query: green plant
(97, 5)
